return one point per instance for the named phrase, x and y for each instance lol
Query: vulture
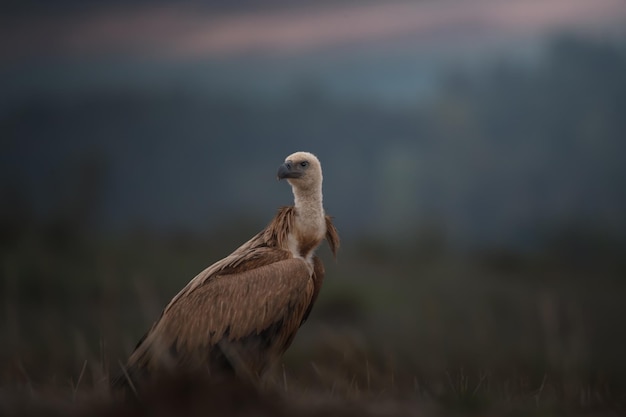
(239, 315)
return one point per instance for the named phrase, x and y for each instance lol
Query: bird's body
(240, 314)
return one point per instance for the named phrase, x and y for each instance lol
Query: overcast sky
(188, 32)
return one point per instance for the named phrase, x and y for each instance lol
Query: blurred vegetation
(407, 313)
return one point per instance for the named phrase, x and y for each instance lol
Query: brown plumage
(240, 314)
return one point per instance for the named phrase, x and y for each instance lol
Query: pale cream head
(303, 171)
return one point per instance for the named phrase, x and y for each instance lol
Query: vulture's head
(302, 170)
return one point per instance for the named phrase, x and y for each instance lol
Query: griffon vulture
(240, 314)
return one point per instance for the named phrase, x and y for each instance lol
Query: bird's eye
(304, 164)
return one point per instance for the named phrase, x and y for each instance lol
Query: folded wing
(233, 321)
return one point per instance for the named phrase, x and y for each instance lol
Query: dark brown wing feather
(231, 308)
(332, 236)
(318, 280)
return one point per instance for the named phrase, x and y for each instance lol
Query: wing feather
(231, 307)
(332, 236)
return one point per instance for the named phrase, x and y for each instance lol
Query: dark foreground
(415, 330)
(456, 393)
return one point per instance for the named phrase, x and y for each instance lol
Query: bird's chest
(303, 245)
(306, 234)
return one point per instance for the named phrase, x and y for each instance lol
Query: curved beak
(287, 170)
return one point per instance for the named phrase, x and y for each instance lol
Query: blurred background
(473, 155)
